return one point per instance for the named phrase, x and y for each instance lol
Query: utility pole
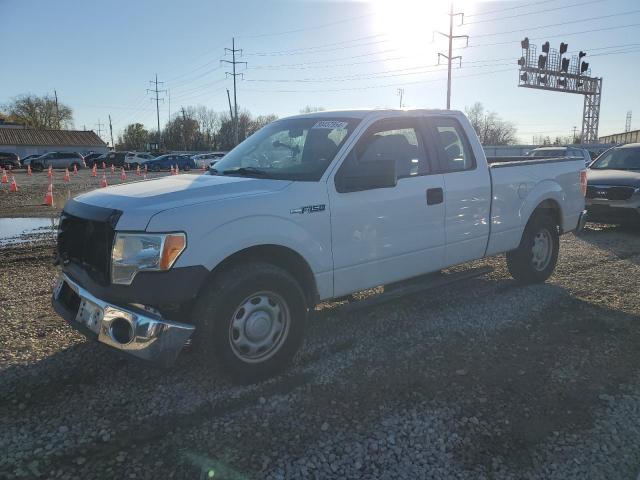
(627, 123)
(55, 94)
(451, 37)
(575, 129)
(157, 99)
(230, 110)
(99, 125)
(111, 133)
(169, 97)
(401, 95)
(233, 73)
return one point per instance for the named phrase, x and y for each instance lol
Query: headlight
(135, 252)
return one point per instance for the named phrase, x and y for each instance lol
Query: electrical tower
(627, 123)
(157, 99)
(449, 56)
(233, 73)
(550, 71)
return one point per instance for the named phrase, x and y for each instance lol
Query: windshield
(619, 159)
(295, 149)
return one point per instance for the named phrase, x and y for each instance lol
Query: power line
(528, 29)
(233, 73)
(99, 125)
(317, 49)
(306, 29)
(500, 10)
(533, 13)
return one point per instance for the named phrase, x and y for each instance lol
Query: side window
(398, 141)
(454, 150)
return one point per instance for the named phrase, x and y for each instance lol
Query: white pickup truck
(310, 208)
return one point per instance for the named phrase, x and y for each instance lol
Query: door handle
(435, 196)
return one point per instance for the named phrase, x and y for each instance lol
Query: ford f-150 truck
(310, 208)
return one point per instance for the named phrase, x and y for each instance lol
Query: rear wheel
(253, 318)
(535, 259)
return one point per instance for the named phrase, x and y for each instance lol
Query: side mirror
(367, 176)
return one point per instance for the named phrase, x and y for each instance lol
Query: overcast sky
(100, 56)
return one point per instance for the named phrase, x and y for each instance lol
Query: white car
(308, 209)
(206, 160)
(133, 159)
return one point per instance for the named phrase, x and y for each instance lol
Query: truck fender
(545, 191)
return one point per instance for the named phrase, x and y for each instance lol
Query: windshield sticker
(331, 124)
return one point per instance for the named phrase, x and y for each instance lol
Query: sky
(100, 57)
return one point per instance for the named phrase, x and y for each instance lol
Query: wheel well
(551, 208)
(283, 257)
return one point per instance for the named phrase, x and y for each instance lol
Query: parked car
(57, 160)
(114, 158)
(27, 160)
(165, 162)
(9, 160)
(309, 208)
(557, 152)
(613, 188)
(206, 160)
(90, 157)
(133, 159)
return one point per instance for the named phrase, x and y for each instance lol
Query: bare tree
(38, 112)
(491, 129)
(311, 109)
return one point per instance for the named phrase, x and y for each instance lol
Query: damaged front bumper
(129, 329)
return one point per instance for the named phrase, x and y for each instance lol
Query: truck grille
(610, 193)
(87, 243)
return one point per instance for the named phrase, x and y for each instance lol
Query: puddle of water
(20, 230)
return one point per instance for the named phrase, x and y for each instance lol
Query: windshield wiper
(248, 171)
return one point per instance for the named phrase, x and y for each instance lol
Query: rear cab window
(454, 150)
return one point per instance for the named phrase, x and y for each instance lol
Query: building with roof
(624, 137)
(31, 141)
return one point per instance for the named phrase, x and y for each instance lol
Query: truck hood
(139, 201)
(625, 178)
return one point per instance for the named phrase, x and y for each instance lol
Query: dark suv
(9, 160)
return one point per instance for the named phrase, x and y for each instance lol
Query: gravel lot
(483, 379)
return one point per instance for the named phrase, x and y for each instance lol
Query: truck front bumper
(129, 329)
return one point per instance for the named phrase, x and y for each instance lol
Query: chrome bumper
(133, 331)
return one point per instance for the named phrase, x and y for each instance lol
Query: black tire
(37, 167)
(186, 168)
(155, 167)
(220, 305)
(530, 266)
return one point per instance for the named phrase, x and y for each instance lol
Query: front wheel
(252, 317)
(535, 259)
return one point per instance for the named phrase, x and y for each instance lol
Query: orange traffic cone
(29, 170)
(75, 169)
(14, 186)
(113, 169)
(66, 177)
(48, 197)
(50, 172)
(144, 176)
(138, 171)
(146, 169)
(177, 170)
(172, 170)
(123, 176)
(103, 182)
(104, 166)
(204, 167)
(5, 178)
(94, 171)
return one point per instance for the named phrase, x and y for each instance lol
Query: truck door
(467, 192)
(382, 235)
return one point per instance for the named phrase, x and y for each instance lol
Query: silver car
(57, 160)
(558, 152)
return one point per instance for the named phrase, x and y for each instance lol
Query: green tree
(134, 137)
(38, 112)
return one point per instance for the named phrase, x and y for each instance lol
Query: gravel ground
(483, 379)
(29, 200)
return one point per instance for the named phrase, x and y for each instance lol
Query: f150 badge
(308, 209)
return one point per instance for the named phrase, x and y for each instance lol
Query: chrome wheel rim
(259, 327)
(541, 250)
